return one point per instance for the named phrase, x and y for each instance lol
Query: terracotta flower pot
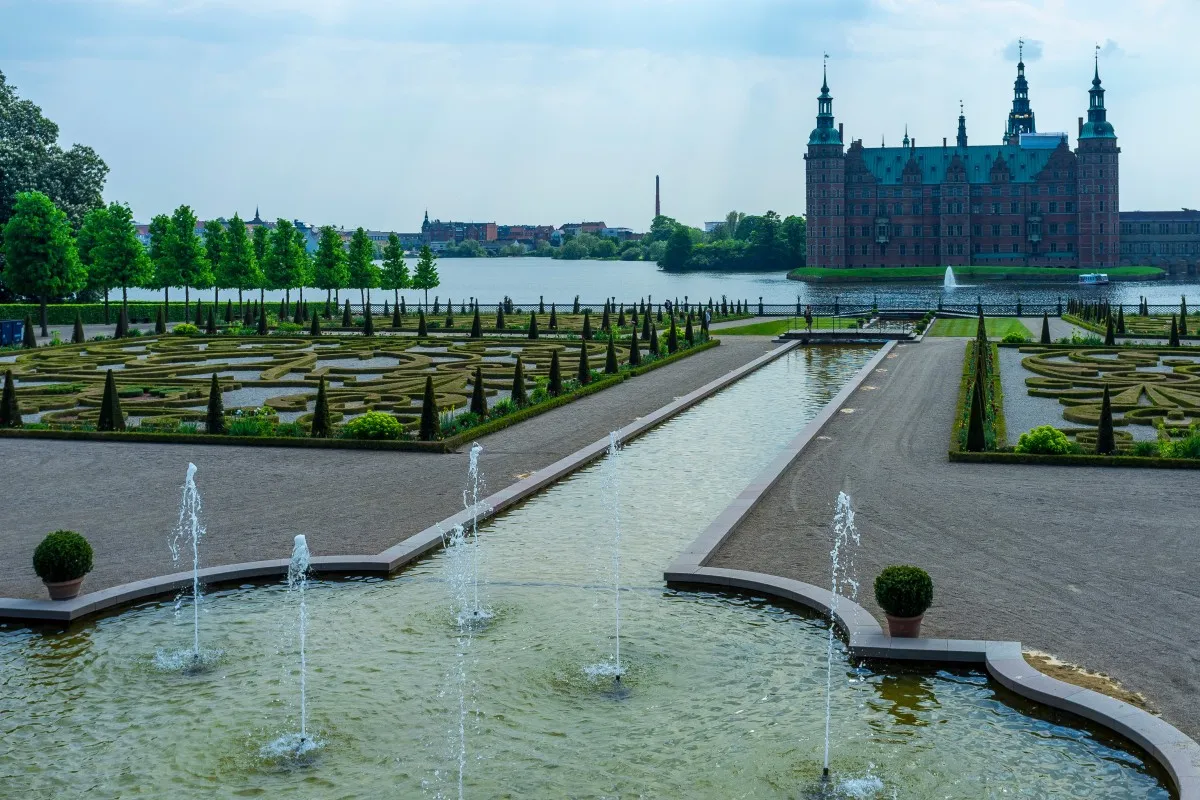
(63, 590)
(905, 627)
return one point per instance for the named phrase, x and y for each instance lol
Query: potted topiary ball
(904, 593)
(61, 561)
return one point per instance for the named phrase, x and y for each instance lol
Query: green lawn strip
(775, 327)
(997, 327)
(869, 274)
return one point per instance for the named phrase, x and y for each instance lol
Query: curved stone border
(1177, 753)
(394, 557)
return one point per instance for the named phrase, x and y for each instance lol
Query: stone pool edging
(394, 557)
(1177, 753)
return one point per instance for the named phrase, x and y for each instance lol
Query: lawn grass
(885, 274)
(997, 327)
(776, 327)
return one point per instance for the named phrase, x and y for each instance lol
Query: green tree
(162, 257)
(329, 265)
(118, 254)
(214, 250)
(187, 252)
(85, 240)
(795, 234)
(39, 252)
(239, 268)
(394, 273)
(768, 246)
(661, 229)
(286, 259)
(426, 276)
(32, 160)
(679, 250)
(364, 275)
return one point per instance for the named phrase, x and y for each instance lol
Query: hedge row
(1073, 460)
(92, 313)
(962, 407)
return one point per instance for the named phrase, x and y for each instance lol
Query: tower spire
(906, 140)
(1098, 126)
(825, 132)
(1020, 119)
(962, 125)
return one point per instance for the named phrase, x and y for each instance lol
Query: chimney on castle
(1081, 126)
(657, 198)
(840, 139)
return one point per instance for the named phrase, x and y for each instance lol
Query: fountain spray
(845, 534)
(298, 582)
(188, 527)
(614, 479)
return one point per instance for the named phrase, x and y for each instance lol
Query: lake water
(525, 279)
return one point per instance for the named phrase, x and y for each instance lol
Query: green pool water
(723, 695)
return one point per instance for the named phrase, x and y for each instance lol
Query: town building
(438, 234)
(1029, 200)
(1166, 239)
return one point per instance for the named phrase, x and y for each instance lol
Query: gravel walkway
(125, 497)
(1091, 564)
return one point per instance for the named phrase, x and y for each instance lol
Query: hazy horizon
(365, 112)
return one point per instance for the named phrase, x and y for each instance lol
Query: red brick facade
(1030, 201)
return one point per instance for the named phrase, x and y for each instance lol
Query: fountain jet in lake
(948, 281)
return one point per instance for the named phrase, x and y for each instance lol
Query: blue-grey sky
(543, 111)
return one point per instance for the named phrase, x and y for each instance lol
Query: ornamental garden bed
(269, 384)
(1054, 396)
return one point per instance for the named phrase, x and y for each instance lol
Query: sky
(369, 112)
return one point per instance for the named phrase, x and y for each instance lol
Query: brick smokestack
(840, 139)
(657, 198)
(1081, 126)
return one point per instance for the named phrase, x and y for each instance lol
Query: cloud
(1110, 49)
(1032, 50)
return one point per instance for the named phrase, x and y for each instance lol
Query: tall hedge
(478, 400)
(1105, 440)
(91, 313)
(584, 372)
(554, 387)
(519, 397)
(10, 412)
(111, 418)
(214, 419)
(429, 413)
(321, 426)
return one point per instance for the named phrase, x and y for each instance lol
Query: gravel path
(125, 497)
(1093, 565)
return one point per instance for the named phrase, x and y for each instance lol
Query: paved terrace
(124, 497)
(1094, 565)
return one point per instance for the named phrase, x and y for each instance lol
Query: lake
(525, 279)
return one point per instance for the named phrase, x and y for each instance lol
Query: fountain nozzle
(824, 774)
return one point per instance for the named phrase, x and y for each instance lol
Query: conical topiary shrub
(214, 420)
(160, 321)
(347, 319)
(519, 397)
(10, 412)
(672, 337)
(397, 322)
(437, 305)
(633, 315)
(553, 325)
(1105, 441)
(587, 326)
(228, 312)
(369, 325)
(1173, 340)
(500, 317)
(653, 341)
(77, 335)
(1110, 338)
(387, 310)
(976, 441)
(314, 329)
(211, 327)
(554, 386)
(1120, 320)
(621, 317)
(403, 307)
(533, 326)
(422, 331)
(610, 357)
(321, 426)
(584, 373)
(575, 307)
(1045, 328)
(199, 313)
(605, 323)
(541, 304)
(660, 314)
(646, 327)
(1183, 316)
(689, 335)
(298, 317)
(429, 413)
(328, 313)
(248, 317)
(478, 399)
(476, 325)
(111, 418)
(635, 355)
(449, 315)
(262, 320)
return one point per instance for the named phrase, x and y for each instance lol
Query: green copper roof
(887, 163)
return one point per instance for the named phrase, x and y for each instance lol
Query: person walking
(808, 318)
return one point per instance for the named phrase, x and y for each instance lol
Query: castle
(1029, 201)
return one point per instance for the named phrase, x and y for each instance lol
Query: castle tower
(1099, 201)
(1020, 119)
(825, 177)
(961, 141)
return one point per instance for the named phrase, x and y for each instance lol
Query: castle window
(1070, 207)
(1014, 208)
(976, 208)
(1035, 208)
(1054, 247)
(1014, 230)
(959, 248)
(916, 249)
(916, 230)
(979, 230)
(996, 248)
(1101, 227)
(1053, 228)
(1070, 227)
(865, 249)
(995, 208)
(995, 230)
(1053, 207)
(977, 247)
(902, 249)
(1061, 189)
(995, 191)
(916, 209)
(1101, 205)
(1070, 247)
(1145, 228)
(1164, 227)
(1102, 247)
(1016, 248)
(866, 231)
